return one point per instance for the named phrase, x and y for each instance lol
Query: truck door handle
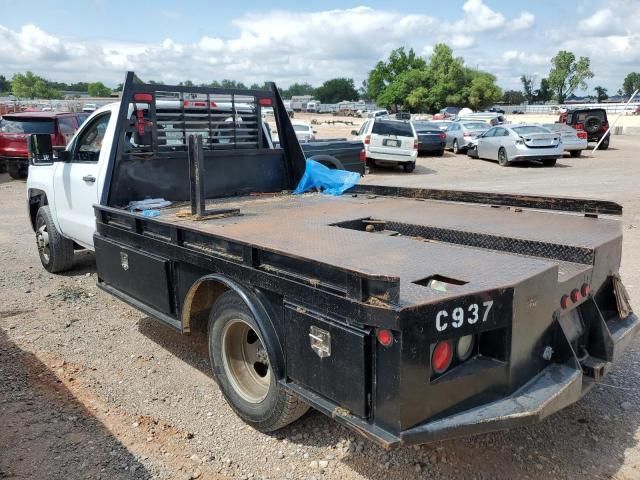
(89, 178)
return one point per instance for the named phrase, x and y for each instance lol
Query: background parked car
(491, 118)
(431, 139)
(89, 107)
(520, 142)
(304, 132)
(592, 120)
(403, 116)
(378, 113)
(442, 124)
(460, 134)
(15, 129)
(389, 143)
(574, 141)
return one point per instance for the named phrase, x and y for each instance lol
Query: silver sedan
(461, 134)
(519, 142)
(574, 141)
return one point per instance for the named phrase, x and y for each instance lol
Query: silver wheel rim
(245, 361)
(502, 156)
(455, 146)
(42, 240)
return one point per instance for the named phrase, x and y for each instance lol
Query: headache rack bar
(565, 204)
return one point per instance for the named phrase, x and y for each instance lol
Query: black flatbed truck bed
(330, 280)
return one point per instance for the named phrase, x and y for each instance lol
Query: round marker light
(441, 357)
(385, 337)
(464, 347)
(564, 301)
(575, 295)
(585, 290)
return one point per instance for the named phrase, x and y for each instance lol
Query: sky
(293, 41)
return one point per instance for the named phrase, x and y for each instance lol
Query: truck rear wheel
(56, 252)
(242, 366)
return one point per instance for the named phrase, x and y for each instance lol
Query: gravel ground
(90, 388)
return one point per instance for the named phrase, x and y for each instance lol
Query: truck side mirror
(40, 148)
(354, 133)
(61, 154)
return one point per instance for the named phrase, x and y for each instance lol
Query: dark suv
(591, 120)
(15, 128)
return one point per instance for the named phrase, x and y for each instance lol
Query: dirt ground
(90, 388)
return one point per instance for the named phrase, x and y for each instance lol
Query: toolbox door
(139, 274)
(329, 358)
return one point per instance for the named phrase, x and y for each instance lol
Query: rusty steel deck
(482, 246)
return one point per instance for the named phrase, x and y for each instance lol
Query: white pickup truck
(62, 191)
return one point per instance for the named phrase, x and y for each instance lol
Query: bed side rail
(565, 204)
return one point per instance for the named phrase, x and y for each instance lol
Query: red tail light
(575, 295)
(441, 357)
(143, 97)
(442, 135)
(466, 134)
(385, 337)
(415, 143)
(265, 102)
(564, 301)
(367, 140)
(582, 134)
(579, 126)
(585, 290)
(363, 156)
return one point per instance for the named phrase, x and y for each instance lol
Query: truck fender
(38, 198)
(258, 306)
(328, 161)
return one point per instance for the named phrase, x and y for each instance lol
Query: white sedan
(304, 132)
(518, 142)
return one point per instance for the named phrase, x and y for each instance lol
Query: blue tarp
(332, 182)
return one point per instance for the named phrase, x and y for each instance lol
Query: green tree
(528, 87)
(631, 83)
(337, 90)
(514, 97)
(233, 84)
(384, 73)
(297, 89)
(28, 85)
(98, 89)
(5, 85)
(601, 94)
(483, 91)
(544, 93)
(568, 73)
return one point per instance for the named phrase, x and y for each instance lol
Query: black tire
(592, 124)
(605, 144)
(549, 162)
(17, 171)
(575, 153)
(409, 167)
(440, 153)
(503, 160)
(3, 166)
(455, 148)
(55, 251)
(277, 408)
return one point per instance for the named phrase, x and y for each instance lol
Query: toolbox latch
(320, 341)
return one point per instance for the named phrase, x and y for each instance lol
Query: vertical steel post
(196, 175)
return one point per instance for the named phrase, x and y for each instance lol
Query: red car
(16, 127)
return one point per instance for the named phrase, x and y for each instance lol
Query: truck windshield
(388, 127)
(26, 126)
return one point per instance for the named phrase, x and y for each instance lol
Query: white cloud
(284, 46)
(524, 21)
(601, 22)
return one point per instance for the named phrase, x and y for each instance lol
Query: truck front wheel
(242, 366)
(56, 252)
